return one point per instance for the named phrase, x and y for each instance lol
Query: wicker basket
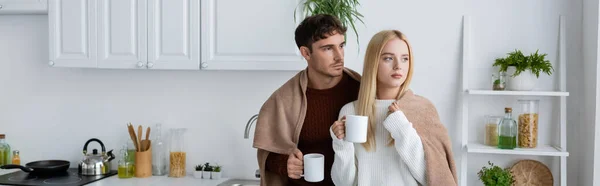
(531, 173)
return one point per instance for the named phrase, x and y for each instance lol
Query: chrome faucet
(249, 124)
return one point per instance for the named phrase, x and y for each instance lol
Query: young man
(296, 119)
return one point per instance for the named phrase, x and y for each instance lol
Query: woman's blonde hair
(368, 84)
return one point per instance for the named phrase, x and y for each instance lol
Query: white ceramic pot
(525, 81)
(215, 175)
(205, 175)
(198, 174)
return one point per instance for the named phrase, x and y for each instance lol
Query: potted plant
(207, 170)
(198, 172)
(216, 174)
(495, 176)
(345, 10)
(523, 70)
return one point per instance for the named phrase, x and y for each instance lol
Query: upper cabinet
(125, 34)
(72, 33)
(246, 35)
(122, 34)
(174, 34)
(23, 6)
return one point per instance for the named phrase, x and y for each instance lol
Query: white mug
(314, 167)
(356, 128)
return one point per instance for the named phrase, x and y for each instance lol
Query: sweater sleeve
(277, 163)
(343, 171)
(408, 144)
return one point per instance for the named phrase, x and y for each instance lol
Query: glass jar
(125, 169)
(528, 123)
(499, 81)
(507, 131)
(131, 152)
(177, 153)
(4, 151)
(16, 160)
(491, 130)
(159, 153)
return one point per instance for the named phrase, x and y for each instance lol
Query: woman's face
(393, 64)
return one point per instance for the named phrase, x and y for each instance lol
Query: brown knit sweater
(322, 110)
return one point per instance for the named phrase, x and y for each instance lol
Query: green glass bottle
(4, 151)
(507, 131)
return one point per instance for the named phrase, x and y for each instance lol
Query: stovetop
(69, 178)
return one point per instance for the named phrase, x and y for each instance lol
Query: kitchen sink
(240, 182)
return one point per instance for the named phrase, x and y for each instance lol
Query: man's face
(327, 56)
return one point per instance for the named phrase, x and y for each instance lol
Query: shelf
(516, 93)
(541, 150)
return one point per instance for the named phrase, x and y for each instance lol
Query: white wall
(587, 125)
(69, 106)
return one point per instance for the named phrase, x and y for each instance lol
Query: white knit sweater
(401, 164)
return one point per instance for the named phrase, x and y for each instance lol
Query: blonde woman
(406, 142)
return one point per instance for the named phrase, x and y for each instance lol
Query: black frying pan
(42, 167)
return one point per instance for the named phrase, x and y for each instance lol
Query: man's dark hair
(317, 27)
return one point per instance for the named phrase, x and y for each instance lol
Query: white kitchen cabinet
(122, 34)
(23, 7)
(245, 35)
(174, 34)
(72, 31)
(125, 34)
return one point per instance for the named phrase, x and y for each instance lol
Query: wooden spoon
(147, 146)
(139, 138)
(132, 135)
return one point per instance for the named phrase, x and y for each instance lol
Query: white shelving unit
(542, 150)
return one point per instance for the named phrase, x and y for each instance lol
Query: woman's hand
(394, 107)
(339, 128)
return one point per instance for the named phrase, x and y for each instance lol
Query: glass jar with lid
(528, 123)
(491, 130)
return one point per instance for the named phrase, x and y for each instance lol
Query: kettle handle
(96, 140)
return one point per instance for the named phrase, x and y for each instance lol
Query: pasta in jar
(177, 164)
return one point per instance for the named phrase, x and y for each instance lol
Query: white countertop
(157, 181)
(150, 181)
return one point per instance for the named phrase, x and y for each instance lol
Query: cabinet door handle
(150, 65)
(0, 6)
(140, 64)
(51, 63)
(204, 65)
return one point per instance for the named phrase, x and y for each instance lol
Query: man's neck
(387, 93)
(320, 82)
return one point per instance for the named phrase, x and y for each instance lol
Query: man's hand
(295, 164)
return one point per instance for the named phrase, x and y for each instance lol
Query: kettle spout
(111, 156)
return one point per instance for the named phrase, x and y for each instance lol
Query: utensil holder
(143, 163)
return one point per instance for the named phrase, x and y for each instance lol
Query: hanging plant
(345, 10)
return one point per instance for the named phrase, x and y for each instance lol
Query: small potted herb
(207, 170)
(495, 176)
(499, 81)
(216, 174)
(198, 172)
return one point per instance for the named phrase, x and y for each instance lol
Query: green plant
(535, 62)
(495, 176)
(199, 167)
(217, 168)
(345, 10)
(208, 167)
